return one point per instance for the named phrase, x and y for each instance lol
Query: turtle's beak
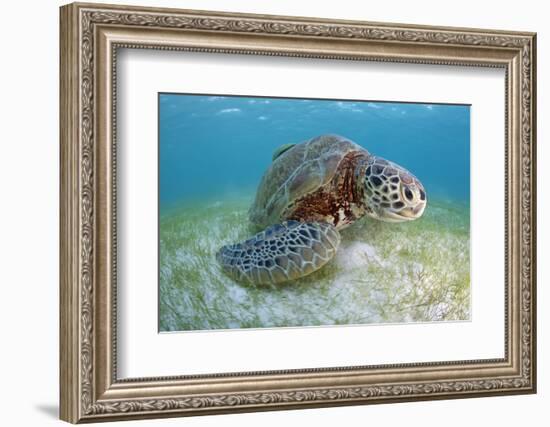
(406, 214)
(413, 212)
(390, 216)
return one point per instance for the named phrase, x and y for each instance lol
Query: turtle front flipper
(280, 253)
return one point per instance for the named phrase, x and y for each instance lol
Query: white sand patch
(237, 294)
(357, 255)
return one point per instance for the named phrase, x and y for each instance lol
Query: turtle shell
(300, 170)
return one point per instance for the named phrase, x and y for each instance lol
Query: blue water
(216, 146)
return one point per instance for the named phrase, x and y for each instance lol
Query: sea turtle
(309, 192)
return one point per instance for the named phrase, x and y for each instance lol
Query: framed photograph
(266, 212)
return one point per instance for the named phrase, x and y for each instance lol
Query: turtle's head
(392, 193)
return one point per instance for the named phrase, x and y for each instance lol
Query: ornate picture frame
(91, 34)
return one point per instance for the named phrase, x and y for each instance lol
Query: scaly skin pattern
(388, 186)
(280, 253)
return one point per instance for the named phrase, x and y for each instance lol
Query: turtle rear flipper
(280, 253)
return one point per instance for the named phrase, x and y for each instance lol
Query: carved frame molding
(90, 37)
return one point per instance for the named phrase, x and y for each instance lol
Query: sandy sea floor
(383, 273)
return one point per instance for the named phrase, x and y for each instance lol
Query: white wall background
(29, 170)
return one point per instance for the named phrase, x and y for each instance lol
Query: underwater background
(213, 151)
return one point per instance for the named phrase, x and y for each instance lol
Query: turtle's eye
(408, 194)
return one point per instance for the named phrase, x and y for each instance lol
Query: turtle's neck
(360, 164)
(339, 202)
(348, 186)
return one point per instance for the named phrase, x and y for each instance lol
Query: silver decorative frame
(90, 36)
